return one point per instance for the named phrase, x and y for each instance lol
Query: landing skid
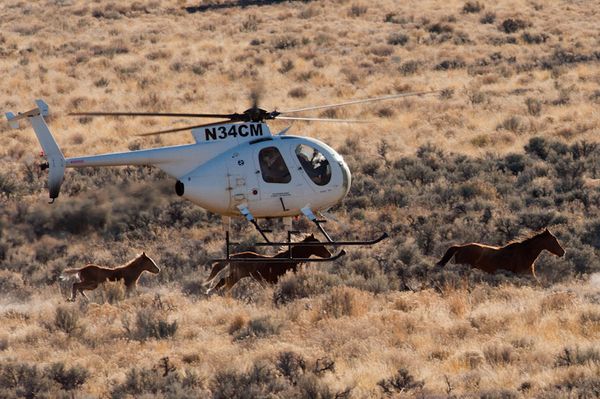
(289, 244)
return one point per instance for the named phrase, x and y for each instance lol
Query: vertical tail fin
(53, 154)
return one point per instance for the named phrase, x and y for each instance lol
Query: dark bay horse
(517, 257)
(268, 272)
(91, 275)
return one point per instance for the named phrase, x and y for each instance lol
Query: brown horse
(517, 257)
(92, 275)
(268, 272)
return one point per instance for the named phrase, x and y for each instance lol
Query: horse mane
(522, 239)
(131, 262)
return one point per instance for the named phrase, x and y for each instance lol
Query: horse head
(148, 263)
(551, 243)
(318, 250)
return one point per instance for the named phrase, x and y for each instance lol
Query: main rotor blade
(180, 129)
(167, 114)
(360, 101)
(299, 118)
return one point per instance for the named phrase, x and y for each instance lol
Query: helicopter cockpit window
(314, 164)
(272, 166)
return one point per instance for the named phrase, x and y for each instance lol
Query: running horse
(268, 272)
(517, 257)
(91, 275)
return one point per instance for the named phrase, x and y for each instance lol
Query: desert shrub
(11, 283)
(498, 355)
(400, 382)
(304, 284)
(297, 92)
(284, 42)
(250, 24)
(291, 365)
(344, 301)
(534, 106)
(162, 380)
(575, 386)
(262, 380)
(113, 292)
(499, 394)
(66, 319)
(357, 10)
(455, 63)
(409, 68)
(577, 356)
(200, 67)
(68, 378)
(4, 343)
(534, 38)
(21, 380)
(150, 323)
(260, 327)
(591, 234)
(582, 260)
(194, 287)
(397, 39)
(488, 18)
(538, 146)
(513, 163)
(472, 7)
(382, 50)
(513, 124)
(439, 28)
(511, 25)
(8, 185)
(557, 301)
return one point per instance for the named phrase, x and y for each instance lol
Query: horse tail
(448, 255)
(68, 274)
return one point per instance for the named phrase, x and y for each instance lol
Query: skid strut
(246, 212)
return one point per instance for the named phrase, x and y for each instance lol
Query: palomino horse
(92, 275)
(517, 257)
(262, 271)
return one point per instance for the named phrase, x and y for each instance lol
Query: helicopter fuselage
(242, 165)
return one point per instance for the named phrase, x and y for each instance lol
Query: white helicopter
(236, 167)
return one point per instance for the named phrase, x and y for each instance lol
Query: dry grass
(378, 323)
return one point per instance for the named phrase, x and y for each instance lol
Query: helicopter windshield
(314, 164)
(272, 166)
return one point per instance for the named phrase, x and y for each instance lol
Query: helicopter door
(243, 183)
(273, 176)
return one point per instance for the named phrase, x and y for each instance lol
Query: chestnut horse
(262, 271)
(517, 257)
(92, 275)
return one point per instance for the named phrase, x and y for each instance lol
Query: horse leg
(217, 267)
(89, 285)
(534, 275)
(230, 281)
(73, 292)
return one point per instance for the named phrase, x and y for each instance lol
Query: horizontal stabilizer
(42, 109)
(14, 124)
